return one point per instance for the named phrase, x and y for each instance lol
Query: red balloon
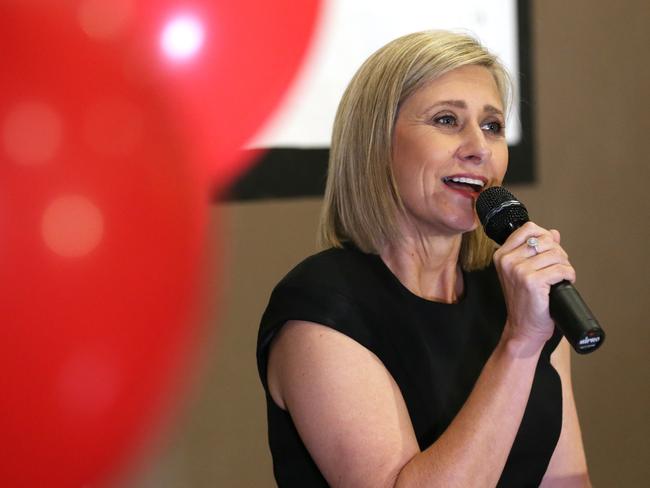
(234, 58)
(117, 119)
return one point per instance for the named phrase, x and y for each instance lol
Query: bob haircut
(362, 202)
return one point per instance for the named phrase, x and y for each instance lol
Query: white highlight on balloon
(72, 226)
(32, 133)
(182, 38)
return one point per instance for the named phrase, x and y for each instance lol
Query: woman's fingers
(535, 253)
(544, 251)
(529, 241)
(537, 245)
(556, 235)
(529, 263)
(543, 271)
(521, 235)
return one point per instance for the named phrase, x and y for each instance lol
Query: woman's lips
(468, 185)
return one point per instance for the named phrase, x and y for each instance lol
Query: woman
(401, 356)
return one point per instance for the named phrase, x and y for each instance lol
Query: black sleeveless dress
(434, 351)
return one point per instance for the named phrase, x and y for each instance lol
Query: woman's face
(449, 143)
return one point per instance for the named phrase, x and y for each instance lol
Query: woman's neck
(427, 267)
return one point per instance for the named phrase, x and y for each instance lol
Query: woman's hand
(526, 274)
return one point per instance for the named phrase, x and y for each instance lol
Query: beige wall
(592, 79)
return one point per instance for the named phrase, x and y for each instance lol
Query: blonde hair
(362, 203)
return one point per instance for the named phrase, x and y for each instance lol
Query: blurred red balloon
(117, 119)
(235, 57)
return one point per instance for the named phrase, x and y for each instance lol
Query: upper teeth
(470, 181)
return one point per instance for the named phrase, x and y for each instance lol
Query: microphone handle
(574, 319)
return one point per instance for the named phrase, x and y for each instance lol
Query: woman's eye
(494, 127)
(448, 120)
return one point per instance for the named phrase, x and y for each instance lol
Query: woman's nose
(474, 145)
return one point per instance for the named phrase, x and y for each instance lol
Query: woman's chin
(465, 224)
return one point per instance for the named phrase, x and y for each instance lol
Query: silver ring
(533, 242)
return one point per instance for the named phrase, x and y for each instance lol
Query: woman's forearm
(474, 448)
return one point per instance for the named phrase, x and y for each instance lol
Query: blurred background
(590, 86)
(588, 98)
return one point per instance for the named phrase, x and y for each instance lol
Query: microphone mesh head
(500, 213)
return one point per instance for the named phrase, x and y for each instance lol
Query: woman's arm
(351, 415)
(347, 408)
(568, 466)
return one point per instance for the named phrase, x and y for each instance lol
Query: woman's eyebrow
(453, 103)
(492, 109)
(461, 104)
(442, 103)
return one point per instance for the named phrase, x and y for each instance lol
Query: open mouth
(464, 183)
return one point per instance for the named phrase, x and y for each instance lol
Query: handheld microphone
(501, 214)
